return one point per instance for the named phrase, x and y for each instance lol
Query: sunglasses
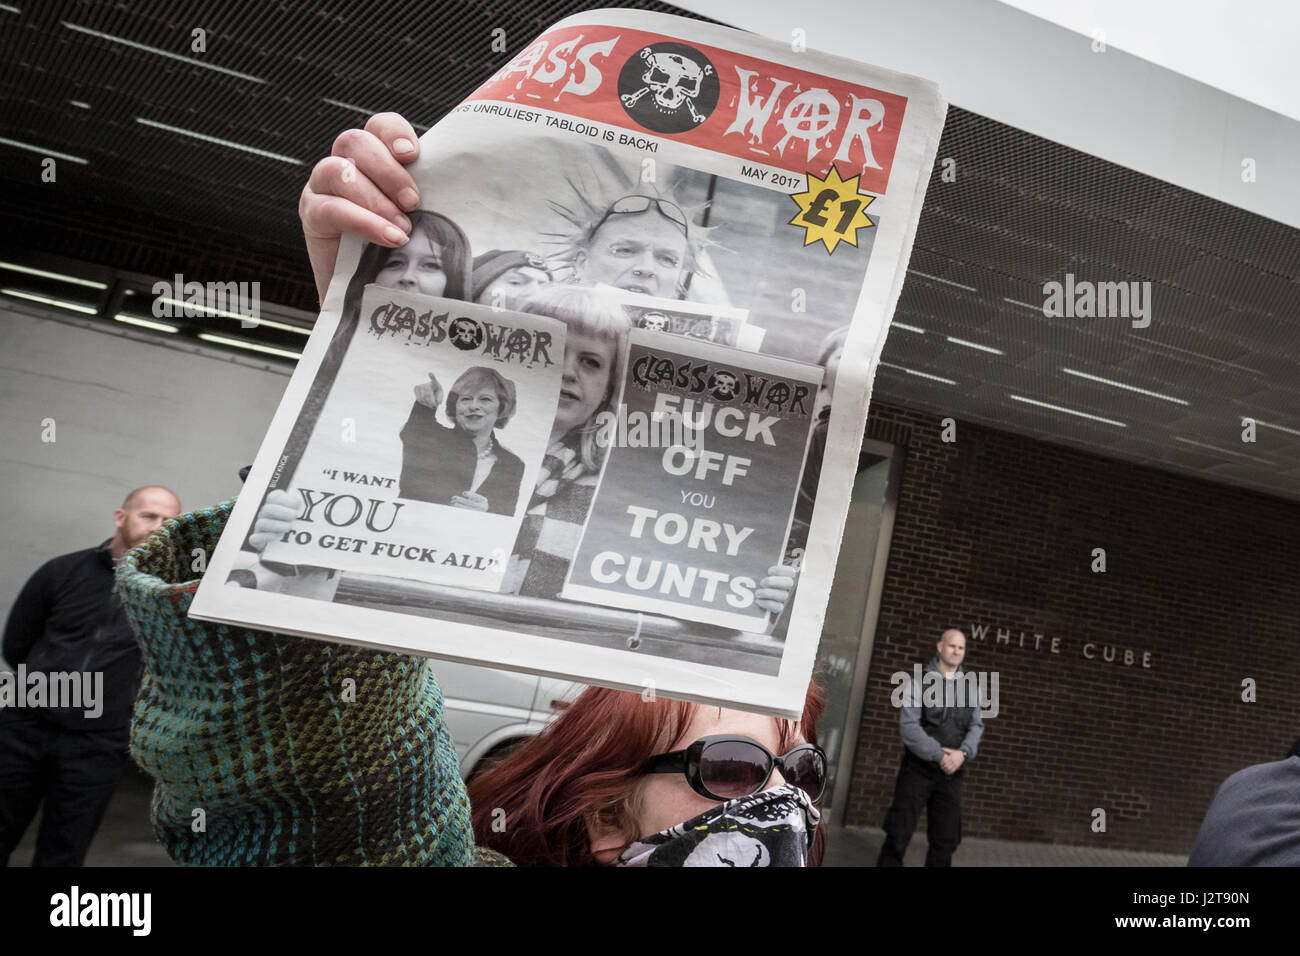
(631, 205)
(723, 767)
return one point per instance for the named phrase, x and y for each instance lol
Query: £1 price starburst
(831, 210)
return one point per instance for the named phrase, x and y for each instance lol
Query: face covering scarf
(772, 828)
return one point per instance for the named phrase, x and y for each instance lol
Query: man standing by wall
(938, 738)
(67, 620)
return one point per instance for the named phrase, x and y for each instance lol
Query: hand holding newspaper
(565, 427)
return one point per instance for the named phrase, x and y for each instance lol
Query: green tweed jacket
(263, 755)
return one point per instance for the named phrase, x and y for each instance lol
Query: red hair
(582, 772)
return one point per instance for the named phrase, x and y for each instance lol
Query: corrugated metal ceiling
(111, 83)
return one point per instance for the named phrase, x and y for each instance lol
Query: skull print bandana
(772, 828)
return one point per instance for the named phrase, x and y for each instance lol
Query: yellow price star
(832, 210)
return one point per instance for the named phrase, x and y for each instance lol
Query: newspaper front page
(568, 427)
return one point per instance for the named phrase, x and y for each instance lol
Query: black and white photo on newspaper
(432, 427)
(599, 418)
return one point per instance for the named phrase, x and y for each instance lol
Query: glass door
(845, 650)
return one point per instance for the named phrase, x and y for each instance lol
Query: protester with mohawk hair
(641, 242)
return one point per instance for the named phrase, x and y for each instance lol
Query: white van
(489, 711)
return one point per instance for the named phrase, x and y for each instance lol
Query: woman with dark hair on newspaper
(463, 466)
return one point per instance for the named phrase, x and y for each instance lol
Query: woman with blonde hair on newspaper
(463, 465)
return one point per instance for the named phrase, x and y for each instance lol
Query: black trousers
(75, 772)
(923, 785)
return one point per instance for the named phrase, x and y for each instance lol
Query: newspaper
(600, 418)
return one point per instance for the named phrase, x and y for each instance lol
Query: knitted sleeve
(279, 751)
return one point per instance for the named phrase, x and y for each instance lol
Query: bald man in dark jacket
(67, 625)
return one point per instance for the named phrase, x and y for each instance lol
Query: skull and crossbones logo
(465, 334)
(654, 321)
(673, 80)
(722, 386)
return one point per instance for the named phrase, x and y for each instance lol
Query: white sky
(1246, 47)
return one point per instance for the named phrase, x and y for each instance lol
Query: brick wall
(999, 530)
